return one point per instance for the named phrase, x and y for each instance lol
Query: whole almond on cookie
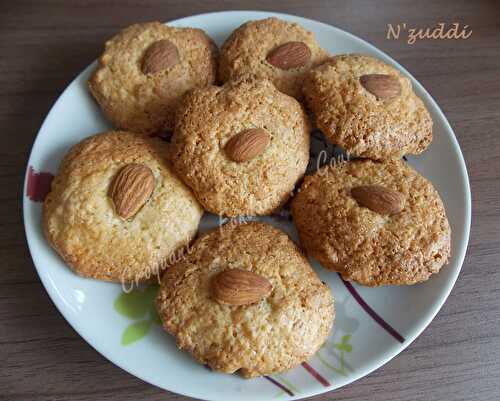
(240, 287)
(382, 86)
(379, 199)
(289, 55)
(159, 56)
(131, 189)
(247, 144)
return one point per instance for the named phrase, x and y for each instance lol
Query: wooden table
(44, 45)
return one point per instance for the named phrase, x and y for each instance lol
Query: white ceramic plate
(372, 325)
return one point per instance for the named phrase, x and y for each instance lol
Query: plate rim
(391, 353)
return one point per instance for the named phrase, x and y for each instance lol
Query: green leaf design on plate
(345, 339)
(344, 343)
(344, 347)
(151, 291)
(136, 303)
(135, 331)
(154, 314)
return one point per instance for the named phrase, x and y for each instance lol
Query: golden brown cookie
(286, 315)
(368, 107)
(241, 147)
(274, 49)
(144, 71)
(116, 211)
(375, 223)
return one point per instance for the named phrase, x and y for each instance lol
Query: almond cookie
(245, 299)
(375, 223)
(116, 211)
(368, 107)
(144, 71)
(271, 48)
(241, 147)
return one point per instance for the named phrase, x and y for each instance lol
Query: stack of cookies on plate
(229, 133)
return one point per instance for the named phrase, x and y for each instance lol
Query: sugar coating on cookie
(208, 121)
(363, 245)
(358, 119)
(247, 51)
(81, 221)
(138, 82)
(269, 336)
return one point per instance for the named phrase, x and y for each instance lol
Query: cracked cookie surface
(210, 117)
(269, 336)
(246, 50)
(145, 102)
(356, 119)
(364, 246)
(82, 225)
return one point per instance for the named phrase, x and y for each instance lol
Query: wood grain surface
(45, 44)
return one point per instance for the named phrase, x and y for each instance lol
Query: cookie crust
(146, 103)
(364, 246)
(82, 226)
(246, 49)
(272, 335)
(355, 119)
(208, 118)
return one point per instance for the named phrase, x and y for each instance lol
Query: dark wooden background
(45, 44)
